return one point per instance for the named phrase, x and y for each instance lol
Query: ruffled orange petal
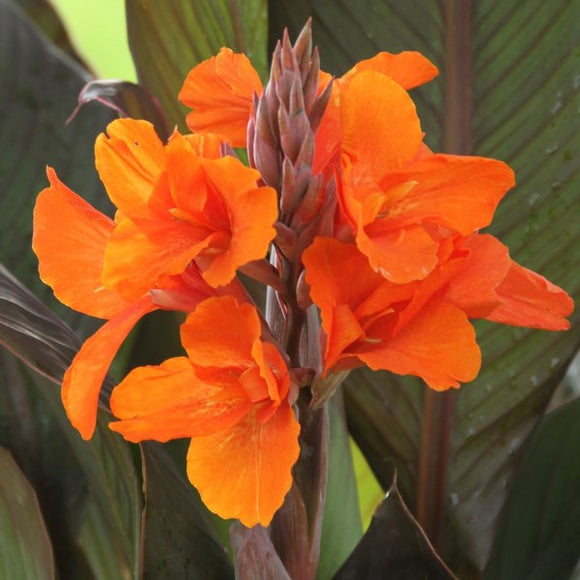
(136, 258)
(83, 380)
(221, 333)
(253, 211)
(409, 69)
(458, 192)
(437, 345)
(342, 330)
(244, 472)
(69, 239)
(129, 161)
(380, 126)
(221, 90)
(171, 401)
(473, 288)
(528, 299)
(400, 255)
(272, 369)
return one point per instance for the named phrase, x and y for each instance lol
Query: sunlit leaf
(341, 526)
(25, 550)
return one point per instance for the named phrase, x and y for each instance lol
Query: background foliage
(491, 477)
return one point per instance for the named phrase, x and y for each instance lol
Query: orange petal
(409, 69)
(129, 161)
(206, 145)
(253, 211)
(437, 345)
(473, 288)
(83, 380)
(69, 239)
(381, 130)
(346, 307)
(400, 255)
(272, 368)
(244, 472)
(221, 90)
(528, 299)
(221, 333)
(171, 401)
(458, 192)
(137, 257)
(342, 330)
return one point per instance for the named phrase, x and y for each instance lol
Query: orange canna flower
(399, 199)
(230, 395)
(177, 204)
(421, 328)
(70, 238)
(221, 91)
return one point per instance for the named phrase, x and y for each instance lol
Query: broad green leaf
(178, 540)
(25, 550)
(39, 87)
(508, 89)
(540, 535)
(169, 38)
(394, 546)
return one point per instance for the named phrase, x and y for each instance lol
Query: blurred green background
(98, 31)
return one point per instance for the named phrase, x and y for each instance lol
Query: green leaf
(39, 86)
(179, 541)
(341, 525)
(46, 18)
(540, 535)
(394, 546)
(169, 38)
(508, 88)
(25, 550)
(88, 491)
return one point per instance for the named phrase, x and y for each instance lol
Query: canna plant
(295, 261)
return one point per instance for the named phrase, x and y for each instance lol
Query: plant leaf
(39, 86)
(127, 100)
(255, 554)
(88, 491)
(46, 18)
(540, 535)
(168, 39)
(394, 546)
(341, 524)
(179, 541)
(25, 550)
(509, 91)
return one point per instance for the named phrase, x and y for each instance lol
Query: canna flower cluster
(367, 241)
